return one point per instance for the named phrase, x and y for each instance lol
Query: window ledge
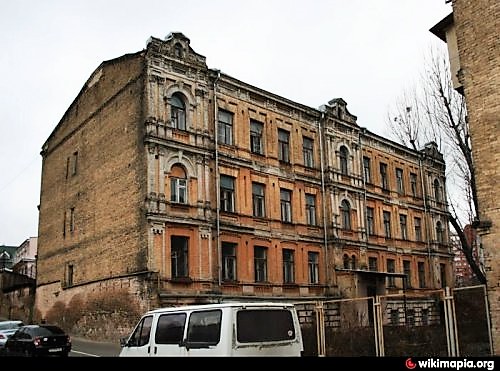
(181, 280)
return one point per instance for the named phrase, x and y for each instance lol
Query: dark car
(39, 340)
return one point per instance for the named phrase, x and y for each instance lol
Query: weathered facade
(168, 182)
(471, 32)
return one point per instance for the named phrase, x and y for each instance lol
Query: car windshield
(48, 331)
(10, 325)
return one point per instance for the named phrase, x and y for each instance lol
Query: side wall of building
(477, 25)
(91, 222)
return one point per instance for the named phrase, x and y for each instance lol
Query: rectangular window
(204, 327)
(67, 167)
(64, 225)
(310, 209)
(228, 261)
(69, 277)
(273, 325)
(418, 229)
(404, 228)
(283, 146)
(256, 129)
(258, 197)
(72, 219)
(179, 256)
(366, 170)
(260, 263)
(413, 184)
(387, 224)
(227, 193)
(307, 149)
(313, 264)
(178, 190)
(370, 221)
(74, 163)
(383, 176)
(407, 272)
(442, 268)
(170, 328)
(391, 268)
(225, 127)
(286, 205)
(410, 317)
(394, 317)
(372, 264)
(399, 181)
(425, 316)
(288, 266)
(421, 274)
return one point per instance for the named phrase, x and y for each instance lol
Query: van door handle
(149, 349)
(156, 348)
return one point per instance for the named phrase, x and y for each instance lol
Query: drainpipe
(217, 182)
(426, 217)
(360, 143)
(323, 197)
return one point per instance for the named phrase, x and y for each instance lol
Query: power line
(18, 174)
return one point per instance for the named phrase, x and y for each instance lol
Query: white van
(228, 329)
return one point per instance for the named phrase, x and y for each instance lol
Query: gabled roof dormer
(177, 47)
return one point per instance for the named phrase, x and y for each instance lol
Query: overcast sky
(366, 52)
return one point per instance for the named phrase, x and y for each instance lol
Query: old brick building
(471, 33)
(168, 182)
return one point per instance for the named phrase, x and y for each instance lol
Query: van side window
(204, 327)
(140, 336)
(274, 325)
(170, 328)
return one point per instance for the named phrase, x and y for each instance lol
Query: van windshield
(258, 325)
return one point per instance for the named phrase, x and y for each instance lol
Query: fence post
(320, 328)
(450, 323)
(488, 321)
(378, 326)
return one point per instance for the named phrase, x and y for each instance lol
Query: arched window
(178, 50)
(353, 262)
(346, 261)
(178, 185)
(177, 112)
(439, 232)
(343, 155)
(437, 191)
(345, 211)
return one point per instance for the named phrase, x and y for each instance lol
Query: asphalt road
(88, 348)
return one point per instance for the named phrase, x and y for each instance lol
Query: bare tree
(434, 111)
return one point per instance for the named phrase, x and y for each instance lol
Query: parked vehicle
(7, 328)
(38, 340)
(228, 329)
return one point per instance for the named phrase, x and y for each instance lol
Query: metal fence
(432, 323)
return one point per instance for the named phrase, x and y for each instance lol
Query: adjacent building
(17, 280)
(167, 182)
(471, 33)
(464, 276)
(24, 261)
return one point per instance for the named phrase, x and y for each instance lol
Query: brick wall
(479, 47)
(90, 223)
(105, 199)
(104, 310)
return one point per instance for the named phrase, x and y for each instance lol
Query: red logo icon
(410, 364)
